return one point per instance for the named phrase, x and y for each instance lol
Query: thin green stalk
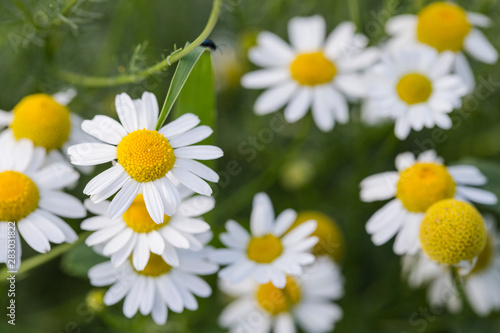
(96, 81)
(354, 12)
(40, 259)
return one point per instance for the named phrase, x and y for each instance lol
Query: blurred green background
(299, 166)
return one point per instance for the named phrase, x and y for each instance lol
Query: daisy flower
(270, 251)
(311, 73)
(136, 232)
(158, 287)
(143, 157)
(480, 284)
(446, 26)
(414, 87)
(418, 183)
(330, 239)
(306, 300)
(47, 122)
(31, 197)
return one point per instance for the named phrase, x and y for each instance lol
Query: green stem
(39, 259)
(96, 81)
(458, 282)
(354, 12)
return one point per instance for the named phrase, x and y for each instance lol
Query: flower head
(270, 252)
(311, 72)
(143, 157)
(417, 185)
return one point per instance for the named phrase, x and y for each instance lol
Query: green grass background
(102, 41)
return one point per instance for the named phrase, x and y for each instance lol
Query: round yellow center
(414, 88)
(138, 219)
(264, 249)
(156, 266)
(145, 155)
(41, 119)
(275, 300)
(443, 25)
(310, 69)
(452, 231)
(485, 258)
(424, 184)
(18, 196)
(331, 241)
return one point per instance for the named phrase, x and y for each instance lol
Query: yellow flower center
(452, 231)
(138, 219)
(156, 266)
(424, 184)
(443, 25)
(414, 88)
(41, 119)
(264, 249)
(331, 241)
(275, 300)
(310, 69)
(18, 196)
(145, 155)
(485, 258)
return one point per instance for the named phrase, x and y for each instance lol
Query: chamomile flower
(270, 251)
(414, 87)
(417, 185)
(480, 284)
(47, 122)
(158, 287)
(330, 239)
(144, 157)
(136, 234)
(311, 73)
(446, 26)
(305, 300)
(31, 196)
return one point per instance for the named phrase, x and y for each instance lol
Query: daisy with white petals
(414, 87)
(270, 251)
(418, 183)
(136, 232)
(480, 285)
(305, 300)
(47, 122)
(144, 157)
(311, 72)
(31, 197)
(158, 287)
(446, 26)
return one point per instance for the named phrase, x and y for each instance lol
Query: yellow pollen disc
(156, 266)
(138, 219)
(414, 88)
(145, 155)
(18, 196)
(424, 184)
(264, 249)
(485, 258)
(310, 69)
(331, 241)
(443, 25)
(275, 300)
(452, 231)
(41, 119)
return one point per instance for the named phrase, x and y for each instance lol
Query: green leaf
(198, 95)
(77, 261)
(182, 72)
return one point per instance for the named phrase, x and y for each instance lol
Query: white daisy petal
(126, 112)
(190, 137)
(197, 168)
(265, 78)
(307, 33)
(262, 215)
(480, 48)
(91, 153)
(192, 181)
(274, 98)
(180, 125)
(105, 129)
(199, 152)
(61, 204)
(477, 195)
(153, 201)
(467, 174)
(33, 236)
(299, 104)
(123, 199)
